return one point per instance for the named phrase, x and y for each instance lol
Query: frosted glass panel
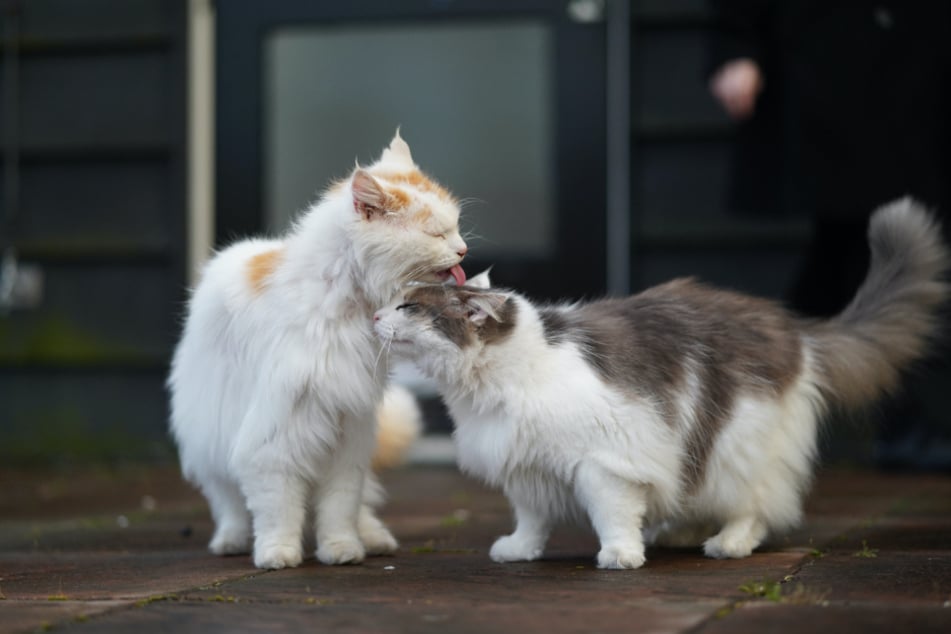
(474, 101)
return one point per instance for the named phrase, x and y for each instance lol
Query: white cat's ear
(481, 280)
(398, 152)
(368, 197)
(484, 305)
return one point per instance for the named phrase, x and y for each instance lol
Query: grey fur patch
(895, 312)
(554, 323)
(494, 331)
(443, 309)
(447, 309)
(646, 343)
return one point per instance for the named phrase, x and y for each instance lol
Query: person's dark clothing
(855, 112)
(856, 108)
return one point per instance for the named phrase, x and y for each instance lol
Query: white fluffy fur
(273, 389)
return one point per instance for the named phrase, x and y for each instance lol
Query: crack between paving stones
(125, 604)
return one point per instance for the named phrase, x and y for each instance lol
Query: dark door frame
(578, 267)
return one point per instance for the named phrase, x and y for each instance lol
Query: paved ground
(125, 552)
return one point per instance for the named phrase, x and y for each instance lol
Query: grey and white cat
(681, 415)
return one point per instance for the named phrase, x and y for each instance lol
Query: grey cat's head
(436, 325)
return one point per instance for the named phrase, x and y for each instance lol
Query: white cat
(685, 410)
(275, 380)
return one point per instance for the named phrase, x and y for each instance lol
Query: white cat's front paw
(724, 547)
(621, 557)
(378, 541)
(230, 541)
(511, 548)
(277, 556)
(341, 551)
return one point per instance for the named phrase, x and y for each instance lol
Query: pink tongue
(458, 274)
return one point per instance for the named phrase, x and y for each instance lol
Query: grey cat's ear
(481, 306)
(398, 151)
(481, 280)
(368, 197)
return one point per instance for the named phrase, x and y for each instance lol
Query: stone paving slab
(33, 616)
(88, 576)
(460, 617)
(834, 619)
(891, 576)
(444, 577)
(875, 549)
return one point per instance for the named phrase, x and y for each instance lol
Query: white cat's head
(443, 328)
(407, 225)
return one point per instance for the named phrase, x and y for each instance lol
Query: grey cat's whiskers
(382, 354)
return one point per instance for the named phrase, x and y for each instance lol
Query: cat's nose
(376, 317)
(461, 252)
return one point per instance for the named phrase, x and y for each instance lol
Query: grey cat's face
(444, 321)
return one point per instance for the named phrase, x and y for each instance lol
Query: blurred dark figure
(842, 106)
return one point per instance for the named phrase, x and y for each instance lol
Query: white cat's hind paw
(379, 541)
(230, 542)
(511, 548)
(277, 556)
(621, 557)
(341, 551)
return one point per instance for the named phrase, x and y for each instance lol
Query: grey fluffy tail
(895, 313)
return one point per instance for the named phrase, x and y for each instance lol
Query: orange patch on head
(418, 180)
(261, 267)
(397, 199)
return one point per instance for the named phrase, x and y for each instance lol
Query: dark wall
(101, 96)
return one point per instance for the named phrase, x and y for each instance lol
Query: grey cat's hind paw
(510, 548)
(736, 540)
(719, 548)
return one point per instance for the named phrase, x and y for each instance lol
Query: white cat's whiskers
(469, 200)
(472, 236)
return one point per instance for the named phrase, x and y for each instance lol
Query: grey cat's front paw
(277, 556)
(341, 551)
(621, 557)
(511, 548)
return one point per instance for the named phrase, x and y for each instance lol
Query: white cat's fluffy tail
(894, 314)
(398, 424)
